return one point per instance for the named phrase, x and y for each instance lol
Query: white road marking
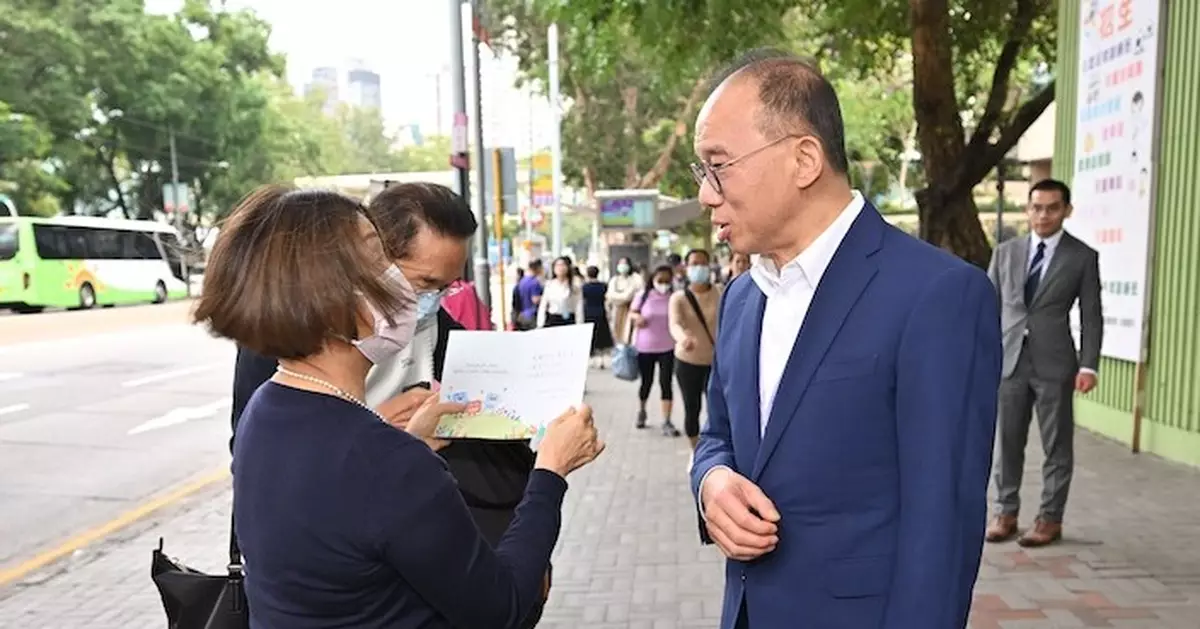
(169, 375)
(182, 415)
(13, 408)
(9, 376)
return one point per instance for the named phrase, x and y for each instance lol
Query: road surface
(101, 412)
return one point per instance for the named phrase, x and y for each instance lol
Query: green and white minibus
(83, 262)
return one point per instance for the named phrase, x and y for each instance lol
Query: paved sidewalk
(629, 558)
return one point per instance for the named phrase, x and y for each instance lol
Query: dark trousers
(693, 380)
(665, 361)
(1021, 395)
(553, 320)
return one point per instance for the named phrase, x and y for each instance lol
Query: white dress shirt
(1051, 245)
(789, 293)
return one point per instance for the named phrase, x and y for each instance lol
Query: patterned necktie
(1035, 274)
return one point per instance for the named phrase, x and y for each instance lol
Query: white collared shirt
(1051, 245)
(412, 365)
(789, 293)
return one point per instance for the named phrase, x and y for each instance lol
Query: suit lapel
(1061, 252)
(844, 281)
(747, 440)
(1020, 263)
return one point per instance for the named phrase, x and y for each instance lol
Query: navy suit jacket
(879, 443)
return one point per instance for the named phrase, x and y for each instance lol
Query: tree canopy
(91, 93)
(964, 78)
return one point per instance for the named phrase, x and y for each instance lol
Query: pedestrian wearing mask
(622, 288)
(694, 327)
(345, 464)
(562, 299)
(650, 315)
(429, 227)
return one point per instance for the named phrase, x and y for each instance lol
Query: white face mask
(662, 288)
(389, 339)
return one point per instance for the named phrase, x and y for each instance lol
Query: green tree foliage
(91, 93)
(967, 65)
(627, 124)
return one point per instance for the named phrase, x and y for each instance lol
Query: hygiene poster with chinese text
(1114, 159)
(515, 383)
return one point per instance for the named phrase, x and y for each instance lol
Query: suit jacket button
(743, 575)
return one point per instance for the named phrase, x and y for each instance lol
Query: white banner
(1114, 140)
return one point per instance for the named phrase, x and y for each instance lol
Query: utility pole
(1001, 176)
(532, 175)
(555, 142)
(175, 182)
(460, 150)
(483, 272)
(437, 88)
(180, 222)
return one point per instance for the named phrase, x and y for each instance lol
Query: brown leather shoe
(1043, 533)
(1002, 528)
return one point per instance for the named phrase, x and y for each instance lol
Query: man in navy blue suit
(852, 403)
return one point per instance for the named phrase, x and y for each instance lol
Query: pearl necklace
(338, 391)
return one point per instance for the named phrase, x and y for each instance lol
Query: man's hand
(741, 519)
(688, 343)
(401, 408)
(1085, 382)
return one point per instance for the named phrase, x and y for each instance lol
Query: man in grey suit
(1039, 278)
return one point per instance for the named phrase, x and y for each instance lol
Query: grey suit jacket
(1044, 329)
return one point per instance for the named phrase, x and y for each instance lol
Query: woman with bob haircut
(343, 519)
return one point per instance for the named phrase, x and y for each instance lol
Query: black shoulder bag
(691, 297)
(195, 600)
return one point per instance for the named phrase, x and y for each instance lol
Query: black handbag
(195, 600)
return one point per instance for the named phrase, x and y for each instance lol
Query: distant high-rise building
(363, 88)
(325, 79)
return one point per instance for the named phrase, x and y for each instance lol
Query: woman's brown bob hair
(289, 272)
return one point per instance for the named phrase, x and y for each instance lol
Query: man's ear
(809, 159)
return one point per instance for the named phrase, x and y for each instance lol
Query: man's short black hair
(402, 208)
(674, 259)
(795, 98)
(536, 265)
(1052, 185)
(699, 252)
(593, 272)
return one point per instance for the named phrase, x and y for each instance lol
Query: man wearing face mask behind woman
(428, 226)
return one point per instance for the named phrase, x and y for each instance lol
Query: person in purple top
(529, 291)
(650, 315)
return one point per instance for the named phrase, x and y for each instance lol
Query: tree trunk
(659, 170)
(947, 211)
(109, 162)
(629, 107)
(952, 223)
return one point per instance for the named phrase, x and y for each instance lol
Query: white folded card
(515, 382)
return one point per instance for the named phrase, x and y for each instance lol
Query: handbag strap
(691, 297)
(235, 551)
(641, 304)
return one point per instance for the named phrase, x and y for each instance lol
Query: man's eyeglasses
(705, 171)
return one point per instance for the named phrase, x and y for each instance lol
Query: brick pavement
(628, 557)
